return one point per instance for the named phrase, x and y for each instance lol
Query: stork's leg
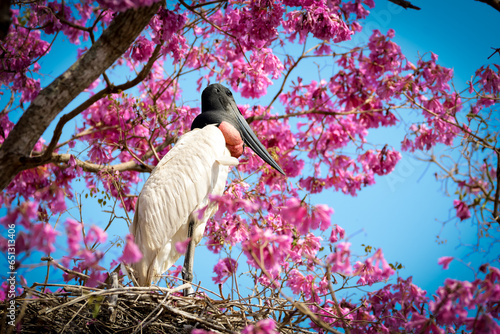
(187, 270)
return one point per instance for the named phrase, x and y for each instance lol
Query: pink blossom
(142, 49)
(182, 246)
(340, 259)
(337, 233)
(321, 215)
(382, 163)
(322, 22)
(453, 300)
(201, 331)
(374, 269)
(267, 249)
(175, 271)
(74, 233)
(131, 252)
(224, 269)
(300, 283)
(96, 278)
(43, 237)
(266, 326)
(305, 247)
(445, 261)
(462, 209)
(22, 214)
(95, 234)
(4, 290)
(295, 213)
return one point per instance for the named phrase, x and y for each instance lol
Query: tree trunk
(54, 98)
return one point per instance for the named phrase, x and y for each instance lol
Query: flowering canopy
(309, 126)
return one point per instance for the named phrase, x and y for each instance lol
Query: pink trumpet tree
(119, 128)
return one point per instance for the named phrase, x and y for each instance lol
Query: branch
(131, 165)
(493, 3)
(136, 165)
(496, 50)
(335, 302)
(50, 260)
(54, 98)
(5, 19)
(405, 4)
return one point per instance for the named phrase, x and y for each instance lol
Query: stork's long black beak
(252, 141)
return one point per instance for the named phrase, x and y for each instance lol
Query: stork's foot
(188, 292)
(187, 275)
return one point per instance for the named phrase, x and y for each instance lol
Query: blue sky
(402, 213)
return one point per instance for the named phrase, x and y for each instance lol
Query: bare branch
(493, 3)
(5, 19)
(497, 50)
(136, 165)
(50, 260)
(131, 165)
(405, 4)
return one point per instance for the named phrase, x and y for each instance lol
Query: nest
(79, 309)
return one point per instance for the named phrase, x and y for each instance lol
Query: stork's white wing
(196, 167)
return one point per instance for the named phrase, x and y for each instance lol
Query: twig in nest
(66, 270)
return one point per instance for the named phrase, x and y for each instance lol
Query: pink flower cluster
(131, 252)
(264, 248)
(340, 259)
(20, 51)
(456, 299)
(381, 163)
(166, 27)
(84, 256)
(321, 21)
(224, 269)
(463, 211)
(266, 326)
(374, 269)
(296, 214)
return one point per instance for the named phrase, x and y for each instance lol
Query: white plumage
(178, 187)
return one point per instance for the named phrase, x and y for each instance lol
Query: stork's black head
(217, 106)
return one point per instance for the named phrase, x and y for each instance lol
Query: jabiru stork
(195, 168)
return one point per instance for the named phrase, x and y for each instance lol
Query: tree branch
(493, 3)
(5, 18)
(405, 4)
(136, 165)
(497, 50)
(54, 98)
(131, 165)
